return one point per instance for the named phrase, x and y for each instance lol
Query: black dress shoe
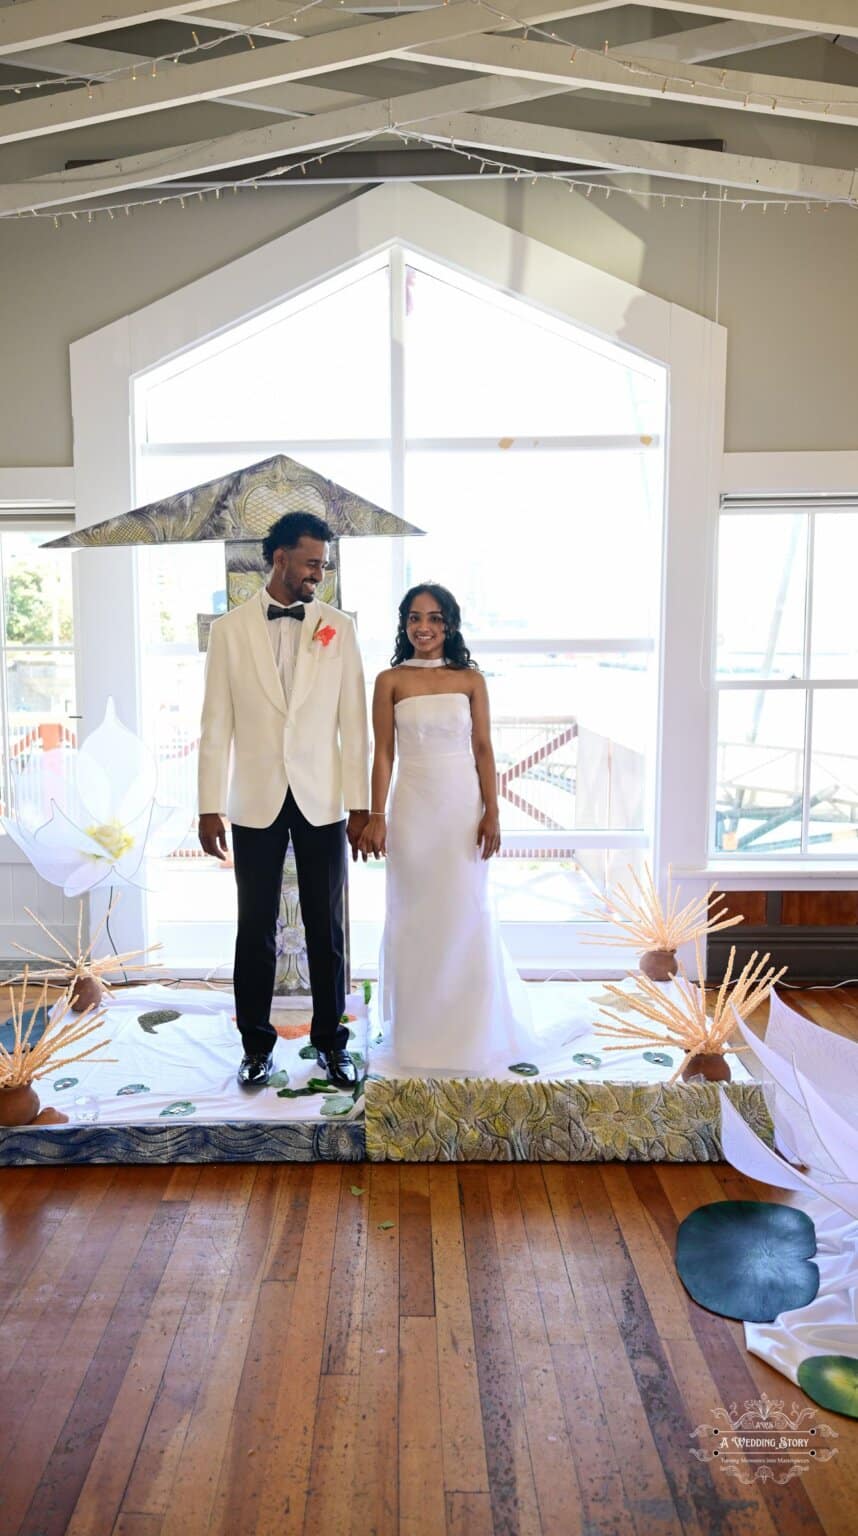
(339, 1067)
(255, 1070)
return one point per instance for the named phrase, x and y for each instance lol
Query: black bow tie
(297, 611)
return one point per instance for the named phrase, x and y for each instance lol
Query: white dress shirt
(285, 636)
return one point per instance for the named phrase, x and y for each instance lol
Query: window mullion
(397, 413)
(808, 697)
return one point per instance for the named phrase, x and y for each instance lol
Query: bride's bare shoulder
(385, 680)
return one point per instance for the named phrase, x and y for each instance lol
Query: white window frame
(691, 347)
(751, 475)
(33, 500)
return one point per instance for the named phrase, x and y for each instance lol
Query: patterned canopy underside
(242, 506)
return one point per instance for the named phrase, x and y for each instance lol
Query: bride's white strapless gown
(451, 1002)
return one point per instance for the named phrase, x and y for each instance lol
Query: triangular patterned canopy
(242, 506)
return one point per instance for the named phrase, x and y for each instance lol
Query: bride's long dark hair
(456, 653)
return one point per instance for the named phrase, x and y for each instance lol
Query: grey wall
(783, 285)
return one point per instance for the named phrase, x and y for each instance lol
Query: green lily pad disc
(584, 1059)
(159, 1016)
(338, 1106)
(64, 1082)
(832, 1382)
(749, 1259)
(524, 1068)
(658, 1058)
(279, 1079)
(131, 1088)
(180, 1107)
(307, 1053)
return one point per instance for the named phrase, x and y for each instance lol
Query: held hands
(212, 835)
(488, 834)
(373, 839)
(354, 829)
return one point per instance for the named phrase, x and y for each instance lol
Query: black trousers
(320, 858)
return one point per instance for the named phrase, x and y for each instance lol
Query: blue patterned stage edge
(228, 1142)
(434, 1120)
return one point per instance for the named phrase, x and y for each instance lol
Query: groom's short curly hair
(288, 530)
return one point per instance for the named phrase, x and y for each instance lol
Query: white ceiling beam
(37, 23)
(258, 144)
(718, 40)
(727, 89)
(777, 178)
(807, 15)
(215, 78)
(254, 14)
(93, 63)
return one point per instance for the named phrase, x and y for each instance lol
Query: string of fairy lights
(496, 167)
(575, 181)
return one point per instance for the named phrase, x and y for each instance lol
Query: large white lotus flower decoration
(89, 816)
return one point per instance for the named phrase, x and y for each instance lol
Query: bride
(450, 1000)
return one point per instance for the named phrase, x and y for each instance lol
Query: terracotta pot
(18, 1105)
(711, 1065)
(88, 992)
(659, 964)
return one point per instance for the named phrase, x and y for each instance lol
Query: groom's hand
(356, 823)
(212, 835)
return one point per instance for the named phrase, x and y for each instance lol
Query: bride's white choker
(416, 661)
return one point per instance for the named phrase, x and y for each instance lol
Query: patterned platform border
(228, 1142)
(414, 1120)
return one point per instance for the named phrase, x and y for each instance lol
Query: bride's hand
(373, 839)
(488, 834)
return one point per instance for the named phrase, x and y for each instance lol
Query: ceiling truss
(60, 72)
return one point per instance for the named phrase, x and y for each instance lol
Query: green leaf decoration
(296, 1093)
(321, 1085)
(308, 1053)
(367, 992)
(385, 1226)
(832, 1382)
(339, 1105)
(584, 1059)
(357, 1058)
(748, 1259)
(65, 1082)
(357, 1189)
(180, 1107)
(524, 1068)
(279, 1079)
(658, 1058)
(149, 1021)
(131, 1088)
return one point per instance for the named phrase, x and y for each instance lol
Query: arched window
(532, 452)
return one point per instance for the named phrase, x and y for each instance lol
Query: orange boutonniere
(324, 636)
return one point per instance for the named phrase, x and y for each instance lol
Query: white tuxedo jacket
(254, 745)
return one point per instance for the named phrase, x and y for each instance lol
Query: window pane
(40, 696)
(570, 735)
(177, 582)
(526, 375)
(760, 771)
(762, 562)
(37, 591)
(551, 887)
(539, 544)
(834, 771)
(834, 646)
(313, 368)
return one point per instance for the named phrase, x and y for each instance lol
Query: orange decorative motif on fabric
(325, 636)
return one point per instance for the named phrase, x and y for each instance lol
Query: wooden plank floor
(479, 1350)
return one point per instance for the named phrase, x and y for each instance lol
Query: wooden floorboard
(355, 1350)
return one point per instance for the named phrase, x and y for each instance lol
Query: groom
(284, 694)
